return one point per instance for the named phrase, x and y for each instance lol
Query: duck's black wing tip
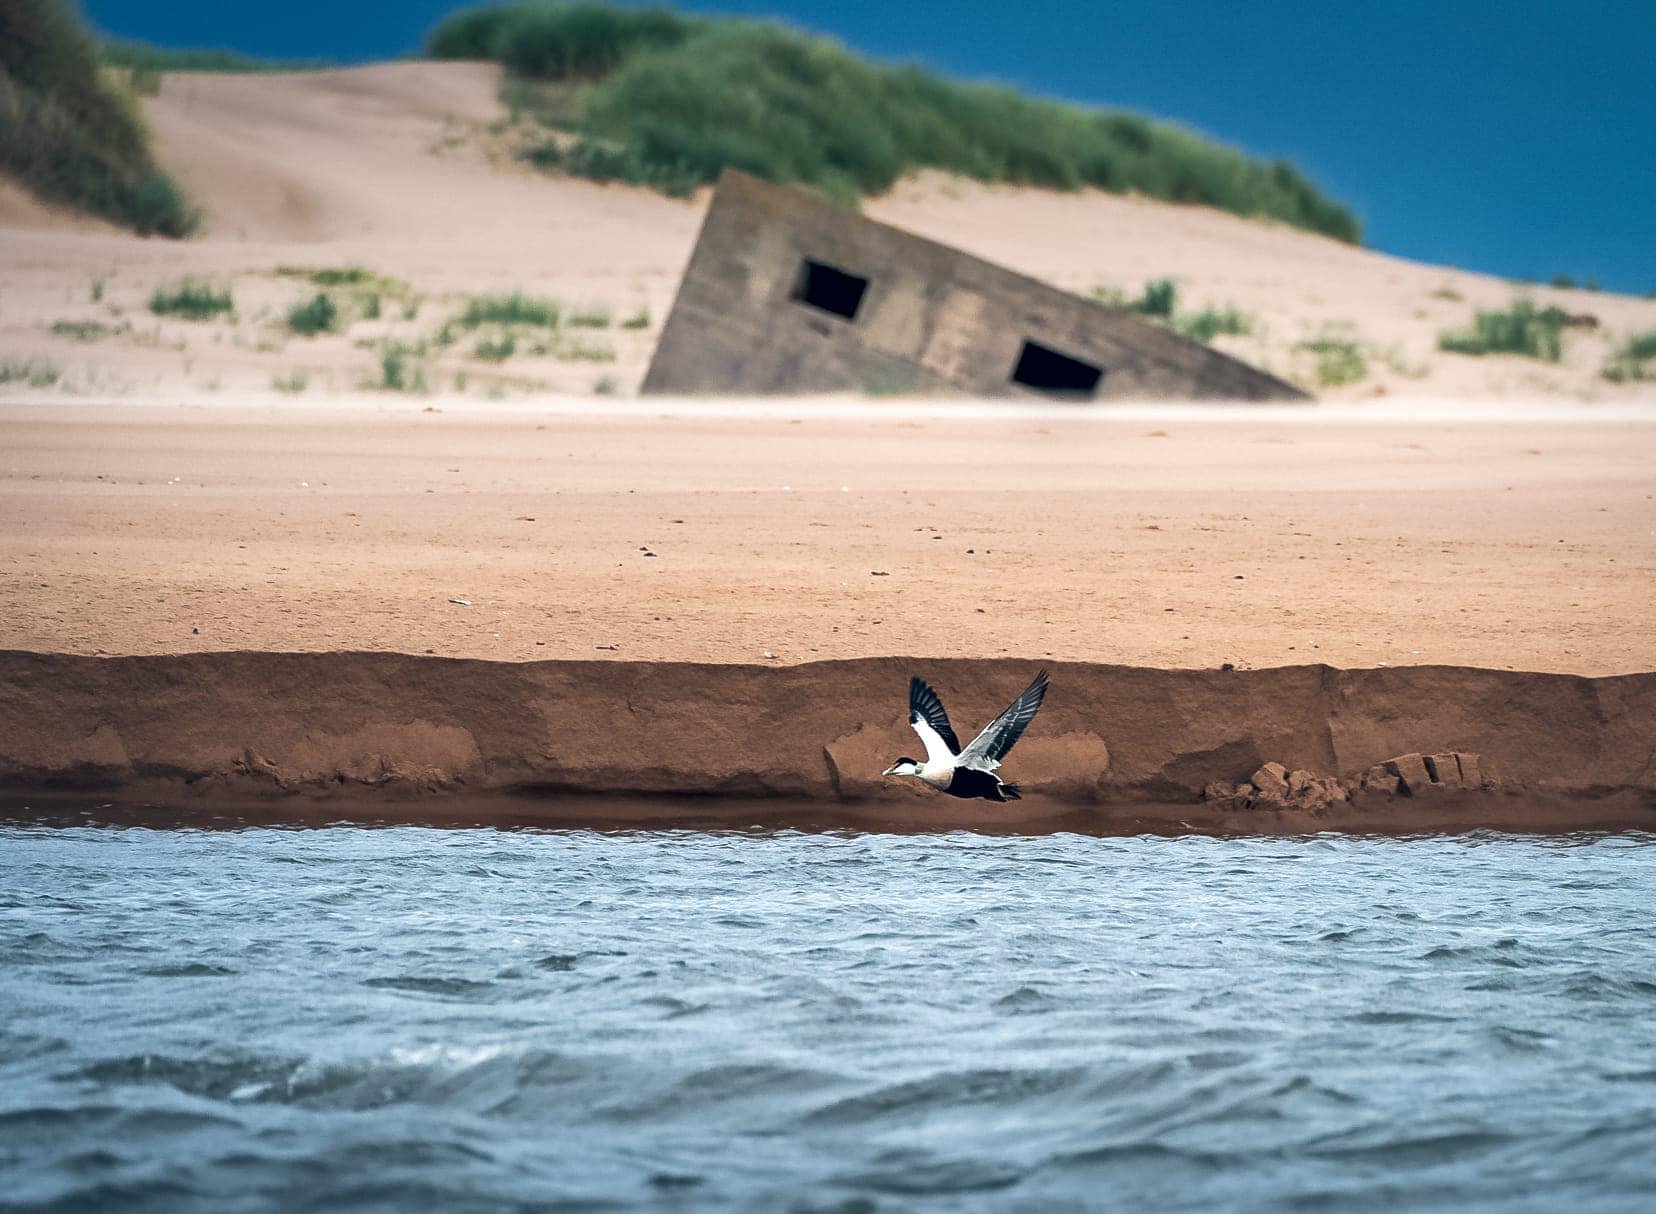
(925, 704)
(1002, 734)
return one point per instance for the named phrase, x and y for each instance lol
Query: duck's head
(903, 767)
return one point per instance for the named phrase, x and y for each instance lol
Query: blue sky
(1512, 136)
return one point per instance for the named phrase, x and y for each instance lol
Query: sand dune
(402, 169)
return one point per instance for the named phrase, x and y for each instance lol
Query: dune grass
(1340, 360)
(191, 300)
(1159, 301)
(1209, 323)
(71, 133)
(514, 309)
(1634, 360)
(496, 349)
(654, 104)
(316, 315)
(84, 330)
(142, 57)
(582, 352)
(402, 368)
(33, 372)
(1522, 329)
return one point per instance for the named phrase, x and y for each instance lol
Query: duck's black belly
(970, 782)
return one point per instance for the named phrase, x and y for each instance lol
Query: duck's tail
(1011, 792)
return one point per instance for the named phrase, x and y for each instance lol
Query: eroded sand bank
(807, 743)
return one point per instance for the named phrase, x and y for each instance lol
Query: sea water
(411, 1018)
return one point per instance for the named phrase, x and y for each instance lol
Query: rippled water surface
(410, 1018)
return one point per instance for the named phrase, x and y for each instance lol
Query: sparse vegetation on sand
(1159, 301)
(1209, 323)
(71, 133)
(142, 57)
(581, 352)
(1340, 360)
(84, 330)
(638, 320)
(1522, 329)
(290, 384)
(402, 368)
(33, 372)
(1633, 360)
(316, 315)
(496, 349)
(595, 317)
(650, 101)
(514, 309)
(191, 300)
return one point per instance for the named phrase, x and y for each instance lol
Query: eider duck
(969, 772)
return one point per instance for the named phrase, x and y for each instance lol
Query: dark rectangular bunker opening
(1043, 368)
(830, 289)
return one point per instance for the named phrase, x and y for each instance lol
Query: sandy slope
(664, 532)
(399, 168)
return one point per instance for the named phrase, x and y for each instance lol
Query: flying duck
(969, 772)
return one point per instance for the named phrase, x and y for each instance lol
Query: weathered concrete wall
(931, 318)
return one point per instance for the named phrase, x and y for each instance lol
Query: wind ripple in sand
(369, 1019)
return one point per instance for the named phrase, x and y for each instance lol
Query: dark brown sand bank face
(1115, 750)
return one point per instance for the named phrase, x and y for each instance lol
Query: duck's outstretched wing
(927, 716)
(998, 737)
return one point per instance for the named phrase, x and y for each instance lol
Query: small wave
(1399, 1017)
(1418, 1150)
(703, 1089)
(1024, 1001)
(946, 1091)
(914, 1174)
(416, 984)
(188, 969)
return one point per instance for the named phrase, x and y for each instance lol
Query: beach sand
(683, 532)
(164, 497)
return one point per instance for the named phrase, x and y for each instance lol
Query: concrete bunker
(788, 293)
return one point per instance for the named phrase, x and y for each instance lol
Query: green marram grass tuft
(73, 134)
(654, 104)
(1522, 329)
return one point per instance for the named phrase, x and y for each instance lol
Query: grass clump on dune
(514, 309)
(1522, 329)
(70, 133)
(1634, 360)
(34, 374)
(315, 315)
(1209, 323)
(654, 103)
(143, 58)
(191, 300)
(559, 41)
(496, 349)
(1340, 360)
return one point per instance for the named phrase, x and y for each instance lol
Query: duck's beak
(890, 771)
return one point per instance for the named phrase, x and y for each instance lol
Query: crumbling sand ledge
(393, 730)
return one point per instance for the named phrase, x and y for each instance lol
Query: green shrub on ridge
(671, 102)
(1522, 329)
(191, 300)
(72, 135)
